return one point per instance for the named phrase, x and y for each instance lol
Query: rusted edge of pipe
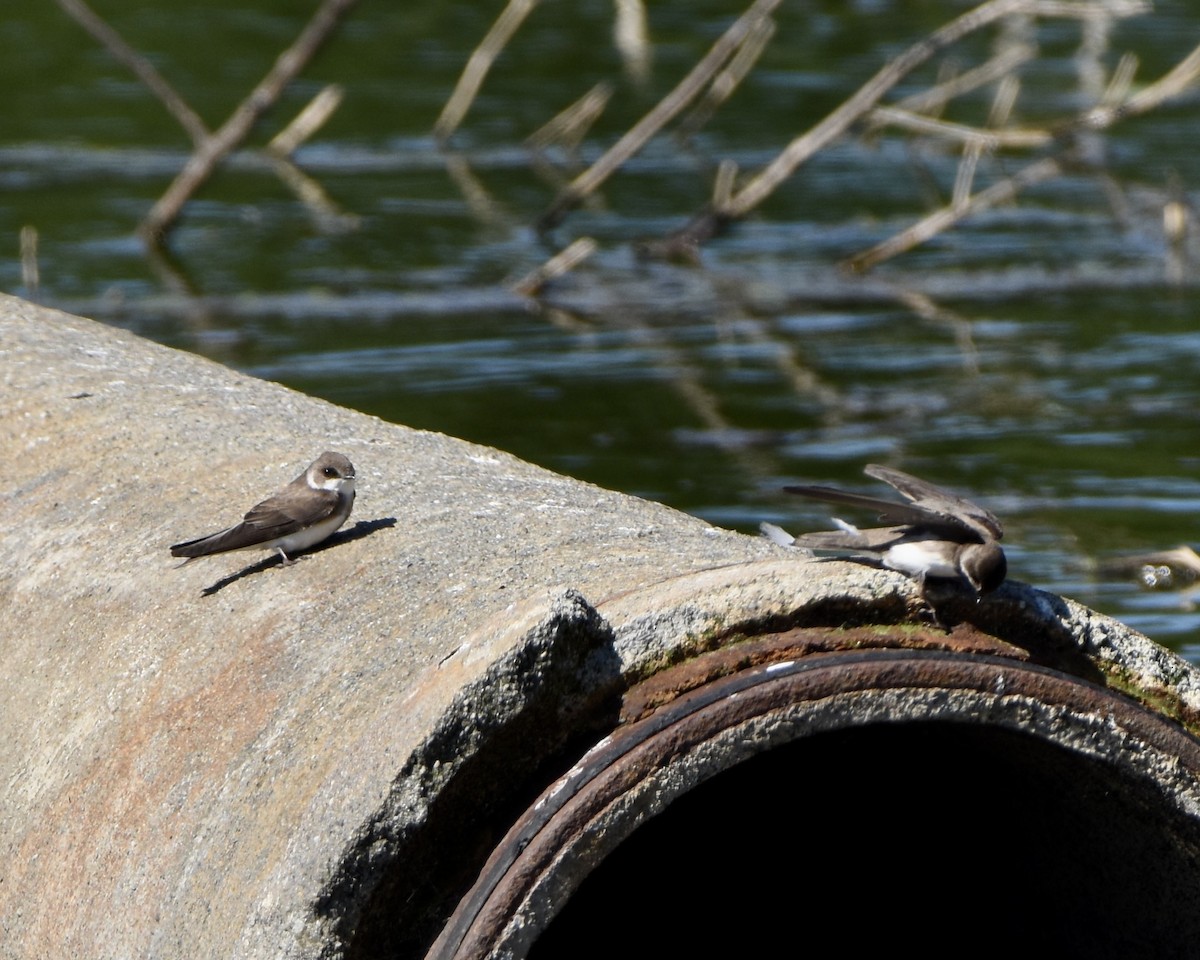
(563, 816)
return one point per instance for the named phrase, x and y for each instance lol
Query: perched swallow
(936, 534)
(299, 516)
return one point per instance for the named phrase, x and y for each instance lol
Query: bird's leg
(287, 561)
(930, 612)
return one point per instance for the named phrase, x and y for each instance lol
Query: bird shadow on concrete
(364, 528)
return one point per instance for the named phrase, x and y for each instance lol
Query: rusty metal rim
(615, 765)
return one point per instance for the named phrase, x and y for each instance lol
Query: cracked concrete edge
(1130, 658)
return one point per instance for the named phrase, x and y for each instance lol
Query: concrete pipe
(504, 713)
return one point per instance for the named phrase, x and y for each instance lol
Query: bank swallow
(299, 516)
(936, 534)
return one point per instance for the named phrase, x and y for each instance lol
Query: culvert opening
(885, 798)
(947, 838)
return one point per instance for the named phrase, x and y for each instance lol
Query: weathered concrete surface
(181, 772)
(222, 760)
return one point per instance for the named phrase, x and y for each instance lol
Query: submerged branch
(729, 79)
(684, 93)
(562, 262)
(861, 103)
(568, 127)
(948, 216)
(1171, 84)
(215, 148)
(478, 66)
(211, 148)
(142, 68)
(308, 121)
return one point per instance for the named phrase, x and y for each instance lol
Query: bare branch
(728, 80)
(946, 217)
(631, 38)
(482, 204)
(1122, 79)
(988, 139)
(215, 148)
(329, 216)
(1002, 105)
(1171, 84)
(142, 68)
(724, 181)
(308, 121)
(478, 66)
(685, 91)
(570, 126)
(565, 260)
(936, 97)
(867, 96)
(1089, 9)
(928, 309)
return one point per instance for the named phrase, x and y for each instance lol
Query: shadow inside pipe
(364, 528)
(931, 834)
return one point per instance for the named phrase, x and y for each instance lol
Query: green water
(1055, 378)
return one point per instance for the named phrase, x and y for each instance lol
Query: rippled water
(1042, 358)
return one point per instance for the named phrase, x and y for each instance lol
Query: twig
(685, 91)
(1002, 105)
(867, 96)
(213, 149)
(308, 121)
(172, 275)
(631, 38)
(988, 139)
(570, 126)
(329, 216)
(728, 80)
(30, 275)
(565, 260)
(927, 309)
(946, 217)
(1089, 9)
(479, 64)
(1122, 79)
(936, 97)
(1094, 43)
(481, 203)
(714, 219)
(1171, 84)
(723, 182)
(141, 67)
(1179, 221)
(964, 177)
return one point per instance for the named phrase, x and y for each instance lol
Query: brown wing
(893, 512)
(874, 539)
(291, 510)
(939, 502)
(285, 513)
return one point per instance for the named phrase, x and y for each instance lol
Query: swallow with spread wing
(935, 534)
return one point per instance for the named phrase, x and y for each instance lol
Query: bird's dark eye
(329, 472)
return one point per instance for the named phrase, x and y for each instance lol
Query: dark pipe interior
(945, 838)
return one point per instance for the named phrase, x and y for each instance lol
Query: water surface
(1043, 357)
